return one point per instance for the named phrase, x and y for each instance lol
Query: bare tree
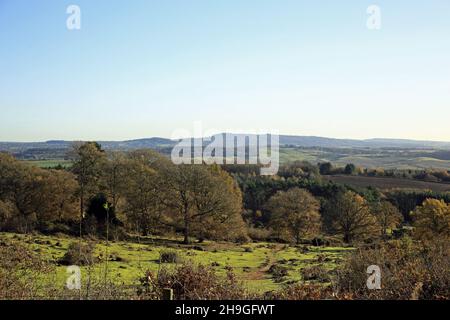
(196, 194)
(349, 214)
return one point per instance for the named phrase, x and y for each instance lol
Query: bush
(54, 228)
(169, 256)
(192, 282)
(79, 254)
(20, 272)
(241, 238)
(31, 274)
(301, 291)
(409, 270)
(278, 272)
(259, 234)
(315, 273)
(303, 249)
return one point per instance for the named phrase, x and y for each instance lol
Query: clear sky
(146, 68)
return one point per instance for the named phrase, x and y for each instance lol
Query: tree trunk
(81, 213)
(297, 238)
(81, 206)
(186, 230)
(347, 238)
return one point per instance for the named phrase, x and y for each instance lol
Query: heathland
(137, 225)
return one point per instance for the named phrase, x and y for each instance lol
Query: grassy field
(371, 158)
(250, 262)
(384, 183)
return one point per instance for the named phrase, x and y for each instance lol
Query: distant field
(250, 262)
(371, 159)
(388, 183)
(366, 158)
(49, 163)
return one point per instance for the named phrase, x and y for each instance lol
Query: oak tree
(295, 211)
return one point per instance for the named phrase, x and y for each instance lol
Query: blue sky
(146, 68)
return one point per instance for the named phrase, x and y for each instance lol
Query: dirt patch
(263, 270)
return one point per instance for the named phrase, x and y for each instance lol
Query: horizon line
(203, 137)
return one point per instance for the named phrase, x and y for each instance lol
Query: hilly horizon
(285, 140)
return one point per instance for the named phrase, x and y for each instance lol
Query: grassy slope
(251, 267)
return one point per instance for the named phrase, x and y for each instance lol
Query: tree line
(143, 192)
(140, 192)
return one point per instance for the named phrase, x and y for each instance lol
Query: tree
(325, 168)
(298, 169)
(350, 169)
(35, 196)
(57, 196)
(226, 225)
(24, 188)
(143, 191)
(89, 158)
(150, 158)
(100, 216)
(7, 212)
(142, 194)
(348, 214)
(113, 176)
(432, 219)
(295, 211)
(408, 200)
(198, 197)
(387, 215)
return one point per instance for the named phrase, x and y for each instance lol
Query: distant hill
(58, 148)
(311, 141)
(28, 150)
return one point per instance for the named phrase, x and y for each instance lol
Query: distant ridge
(27, 150)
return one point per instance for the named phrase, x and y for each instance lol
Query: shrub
(316, 273)
(191, 282)
(241, 238)
(278, 272)
(302, 291)
(303, 249)
(20, 272)
(169, 256)
(80, 254)
(259, 234)
(409, 270)
(432, 219)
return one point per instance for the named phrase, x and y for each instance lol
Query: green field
(370, 158)
(128, 261)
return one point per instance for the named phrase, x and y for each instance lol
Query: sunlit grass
(250, 262)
